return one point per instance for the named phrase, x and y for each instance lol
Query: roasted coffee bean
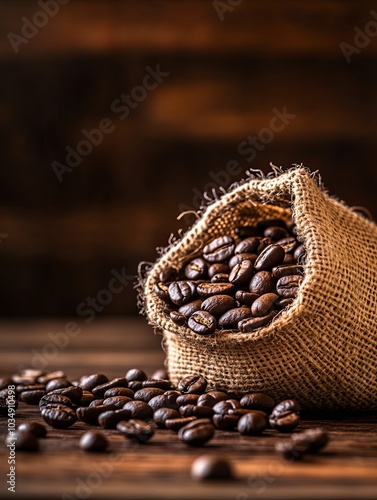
(86, 398)
(44, 378)
(177, 423)
(241, 273)
(264, 304)
(246, 231)
(193, 384)
(210, 398)
(190, 308)
(117, 401)
(208, 289)
(119, 391)
(136, 374)
(209, 467)
(271, 256)
(162, 414)
(220, 249)
(157, 383)
(218, 304)
(162, 401)
(32, 397)
(135, 385)
(289, 259)
(181, 292)
(252, 423)
(89, 382)
(4, 382)
(162, 291)
(288, 286)
(57, 399)
(23, 441)
(100, 390)
(202, 322)
(225, 421)
(282, 303)
(196, 411)
(288, 405)
(197, 432)
(96, 402)
(240, 257)
(275, 233)
(218, 269)
(29, 388)
(220, 278)
(58, 416)
(262, 282)
(285, 416)
(147, 393)
(196, 269)
(160, 374)
(177, 318)
(287, 270)
(249, 245)
(258, 401)
(93, 441)
(139, 409)
(246, 298)
(168, 274)
(172, 395)
(57, 383)
(288, 244)
(313, 439)
(109, 419)
(26, 377)
(231, 318)
(223, 407)
(90, 414)
(250, 324)
(74, 393)
(37, 429)
(263, 244)
(187, 399)
(299, 253)
(136, 429)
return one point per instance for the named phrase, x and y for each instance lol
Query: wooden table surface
(347, 469)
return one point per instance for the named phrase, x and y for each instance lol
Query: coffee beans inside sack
(273, 289)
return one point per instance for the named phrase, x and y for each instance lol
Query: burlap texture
(322, 350)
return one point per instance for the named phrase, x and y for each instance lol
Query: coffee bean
(147, 393)
(220, 249)
(220, 278)
(136, 429)
(139, 410)
(135, 385)
(250, 324)
(202, 322)
(168, 274)
(218, 269)
(109, 419)
(288, 244)
(196, 269)
(96, 402)
(181, 292)
(162, 291)
(289, 259)
(165, 385)
(160, 374)
(187, 399)
(289, 405)
(287, 270)
(299, 253)
(119, 391)
(58, 416)
(37, 429)
(275, 233)
(314, 439)
(190, 308)
(93, 441)
(246, 231)
(252, 423)
(218, 304)
(46, 377)
(74, 393)
(135, 374)
(209, 467)
(231, 318)
(90, 414)
(4, 382)
(57, 383)
(225, 421)
(89, 382)
(210, 398)
(271, 256)
(29, 388)
(57, 399)
(100, 390)
(208, 289)
(241, 273)
(193, 384)
(23, 441)
(246, 298)
(196, 411)
(264, 243)
(258, 401)
(262, 282)
(288, 286)
(282, 302)
(264, 304)
(177, 423)
(223, 407)
(240, 257)
(117, 401)
(177, 318)
(285, 416)
(162, 414)
(162, 401)
(197, 432)
(249, 245)
(172, 395)
(32, 397)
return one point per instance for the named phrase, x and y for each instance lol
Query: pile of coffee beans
(136, 406)
(241, 281)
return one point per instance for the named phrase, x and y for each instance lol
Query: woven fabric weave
(322, 350)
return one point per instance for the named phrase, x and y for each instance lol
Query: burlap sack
(322, 350)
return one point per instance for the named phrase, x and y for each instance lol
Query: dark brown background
(225, 79)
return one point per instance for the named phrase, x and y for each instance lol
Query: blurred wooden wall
(225, 79)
